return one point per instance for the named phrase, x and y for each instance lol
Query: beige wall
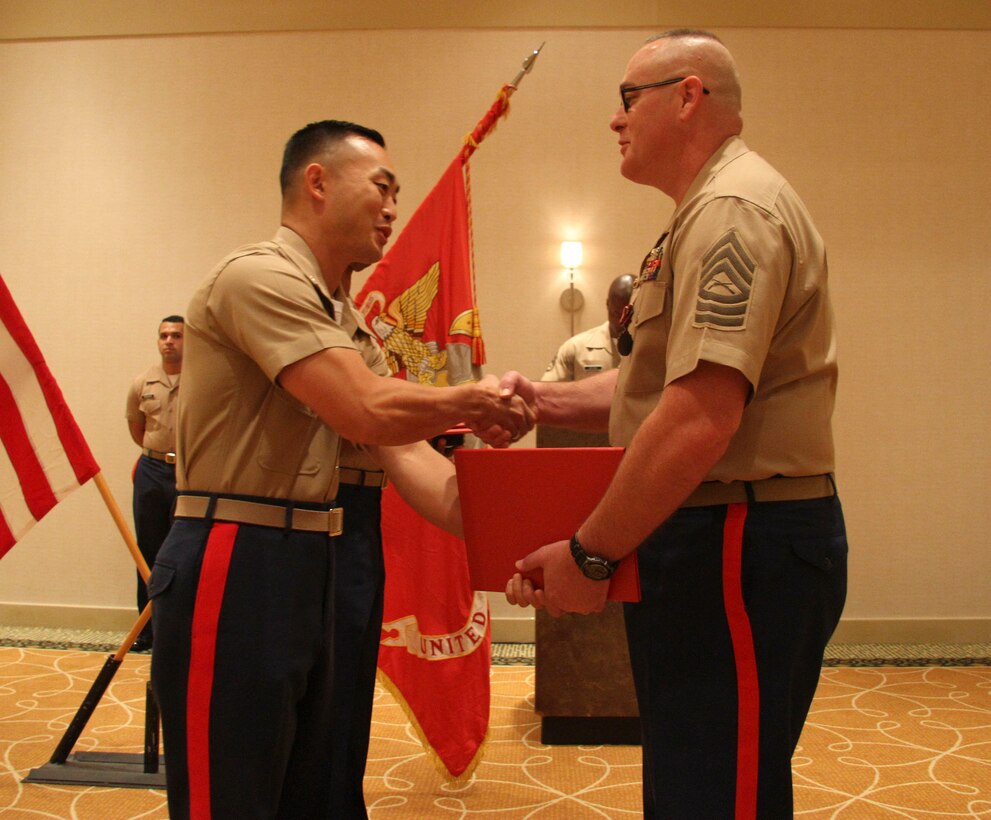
(130, 164)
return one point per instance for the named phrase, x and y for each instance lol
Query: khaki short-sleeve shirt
(353, 455)
(739, 279)
(238, 431)
(583, 355)
(153, 396)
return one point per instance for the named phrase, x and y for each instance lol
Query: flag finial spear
(500, 108)
(527, 65)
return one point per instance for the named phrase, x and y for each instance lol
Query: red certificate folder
(514, 501)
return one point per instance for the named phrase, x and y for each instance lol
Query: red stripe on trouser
(202, 653)
(748, 696)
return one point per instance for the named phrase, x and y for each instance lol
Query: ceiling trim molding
(22, 20)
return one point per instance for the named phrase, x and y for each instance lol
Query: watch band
(592, 566)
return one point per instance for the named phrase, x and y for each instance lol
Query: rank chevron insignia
(728, 272)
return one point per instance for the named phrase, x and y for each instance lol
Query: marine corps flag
(420, 301)
(420, 298)
(43, 456)
(435, 654)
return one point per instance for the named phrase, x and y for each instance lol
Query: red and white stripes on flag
(43, 456)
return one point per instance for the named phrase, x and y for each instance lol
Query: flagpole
(107, 768)
(120, 521)
(113, 773)
(97, 690)
(499, 109)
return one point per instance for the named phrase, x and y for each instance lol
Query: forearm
(671, 454)
(137, 431)
(582, 405)
(401, 412)
(426, 481)
(369, 409)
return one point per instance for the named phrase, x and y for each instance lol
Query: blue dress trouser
(243, 670)
(726, 648)
(360, 592)
(153, 503)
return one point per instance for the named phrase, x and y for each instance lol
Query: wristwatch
(592, 566)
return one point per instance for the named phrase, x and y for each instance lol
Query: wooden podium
(584, 689)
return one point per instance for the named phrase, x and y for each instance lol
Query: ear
(315, 180)
(692, 92)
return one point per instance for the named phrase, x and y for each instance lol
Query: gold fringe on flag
(466, 775)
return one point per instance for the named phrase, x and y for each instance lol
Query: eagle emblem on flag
(401, 324)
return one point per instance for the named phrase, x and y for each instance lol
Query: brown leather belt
(780, 488)
(168, 458)
(262, 515)
(361, 478)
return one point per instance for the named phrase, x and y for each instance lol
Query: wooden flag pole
(109, 769)
(125, 531)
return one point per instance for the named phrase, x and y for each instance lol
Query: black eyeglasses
(623, 92)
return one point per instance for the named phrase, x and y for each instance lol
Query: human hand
(548, 578)
(524, 591)
(516, 384)
(501, 419)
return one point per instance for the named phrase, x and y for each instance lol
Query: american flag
(43, 456)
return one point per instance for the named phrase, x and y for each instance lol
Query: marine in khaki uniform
(726, 490)
(593, 351)
(244, 586)
(151, 412)
(584, 354)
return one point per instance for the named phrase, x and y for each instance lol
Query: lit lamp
(572, 299)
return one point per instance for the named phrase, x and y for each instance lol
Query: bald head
(680, 103)
(619, 296)
(693, 52)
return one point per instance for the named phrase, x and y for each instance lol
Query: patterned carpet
(889, 740)
(522, 654)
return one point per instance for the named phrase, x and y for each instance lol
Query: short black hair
(316, 138)
(175, 319)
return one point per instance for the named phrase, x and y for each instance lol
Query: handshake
(501, 411)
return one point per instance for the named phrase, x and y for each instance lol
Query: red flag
(435, 652)
(420, 298)
(436, 648)
(44, 455)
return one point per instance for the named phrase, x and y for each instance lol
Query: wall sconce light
(572, 299)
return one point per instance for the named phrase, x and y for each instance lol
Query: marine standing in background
(593, 351)
(151, 411)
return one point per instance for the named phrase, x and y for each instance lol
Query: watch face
(596, 570)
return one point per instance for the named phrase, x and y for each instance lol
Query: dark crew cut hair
(316, 139)
(178, 320)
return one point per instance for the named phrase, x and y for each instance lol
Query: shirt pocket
(149, 405)
(652, 297)
(287, 429)
(649, 329)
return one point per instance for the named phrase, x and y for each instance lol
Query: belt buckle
(170, 458)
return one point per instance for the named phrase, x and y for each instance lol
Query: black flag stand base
(136, 771)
